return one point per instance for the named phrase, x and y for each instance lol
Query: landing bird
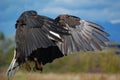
(41, 39)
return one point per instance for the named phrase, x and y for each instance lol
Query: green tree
(2, 37)
(6, 48)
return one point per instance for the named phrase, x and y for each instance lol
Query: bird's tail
(13, 67)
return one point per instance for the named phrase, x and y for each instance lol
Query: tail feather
(13, 67)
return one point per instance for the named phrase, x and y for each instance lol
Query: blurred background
(102, 64)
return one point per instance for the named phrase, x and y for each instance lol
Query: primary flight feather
(42, 39)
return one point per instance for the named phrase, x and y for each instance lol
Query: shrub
(86, 62)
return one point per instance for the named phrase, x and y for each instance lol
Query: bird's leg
(27, 65)
(38, 66)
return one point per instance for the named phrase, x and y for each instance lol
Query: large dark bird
(40, 39)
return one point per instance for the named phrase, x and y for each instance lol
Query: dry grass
(73, 67)
(62, 76)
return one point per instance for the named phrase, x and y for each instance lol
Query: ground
(61, 76)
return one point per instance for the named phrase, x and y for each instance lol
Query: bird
(41, 39)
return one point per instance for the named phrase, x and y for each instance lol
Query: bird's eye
(17, 21)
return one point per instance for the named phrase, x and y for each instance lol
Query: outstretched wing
(34, 31)
(35, 34)
(85, 35)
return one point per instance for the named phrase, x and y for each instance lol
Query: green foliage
(6, 49)
(110, 62)
(9, 56)
(1, 36)
(1, 58)
(5, 59)
(86, 62)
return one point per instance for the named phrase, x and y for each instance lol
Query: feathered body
(42, 39)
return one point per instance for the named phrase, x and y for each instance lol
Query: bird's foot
(27, 66)
(38, 66)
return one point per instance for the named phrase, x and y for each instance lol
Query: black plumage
(42, 39)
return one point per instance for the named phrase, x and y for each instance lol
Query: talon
(27, 66)
(38, 66)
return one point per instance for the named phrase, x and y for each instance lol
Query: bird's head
(25, 18)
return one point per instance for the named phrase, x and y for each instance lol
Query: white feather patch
(55, 34)
(13, 67)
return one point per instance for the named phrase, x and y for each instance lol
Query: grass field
(62, 76)
(85, 66)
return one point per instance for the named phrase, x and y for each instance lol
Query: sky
(103, 12)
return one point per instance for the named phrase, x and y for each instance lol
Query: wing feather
(84, 35)
(34, 32)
